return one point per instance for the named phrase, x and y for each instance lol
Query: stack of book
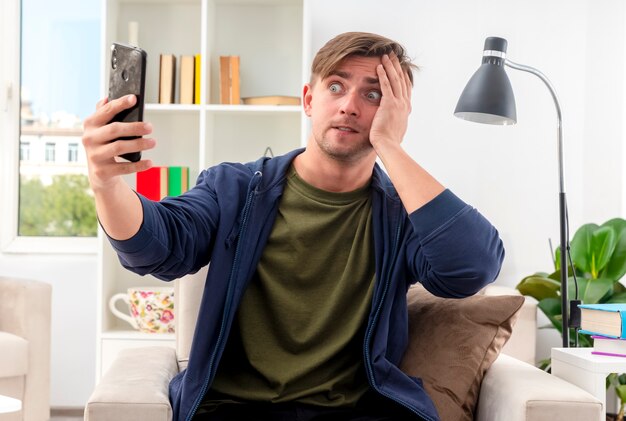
(158, 182)
(188, 80)
(606, 323)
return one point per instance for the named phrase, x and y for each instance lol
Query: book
(235, 97)
(178, 180)
(196, 81)
(152, 183)
(187, 74)
(271, 100)
(603, 319)
(167, 79)
(229, 80)
(614, 347)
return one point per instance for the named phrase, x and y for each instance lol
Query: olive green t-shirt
(298, 333)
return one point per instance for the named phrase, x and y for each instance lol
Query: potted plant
(598, 257)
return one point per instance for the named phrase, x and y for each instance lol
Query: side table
(8, 404)
(586, 370)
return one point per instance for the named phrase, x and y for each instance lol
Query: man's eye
(374, 95)
(335, 87)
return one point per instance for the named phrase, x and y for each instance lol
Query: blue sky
(61, 55)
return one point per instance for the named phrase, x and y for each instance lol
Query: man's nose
(350, 104)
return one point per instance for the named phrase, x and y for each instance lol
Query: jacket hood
(274, 171)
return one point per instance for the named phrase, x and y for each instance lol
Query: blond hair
(362, 44)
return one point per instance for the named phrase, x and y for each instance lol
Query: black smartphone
(127, 75)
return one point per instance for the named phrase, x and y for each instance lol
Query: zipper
(370, 331)
(229, 293)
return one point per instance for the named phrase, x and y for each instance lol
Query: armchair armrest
(25, 312)
(135, 387)
(517, 391)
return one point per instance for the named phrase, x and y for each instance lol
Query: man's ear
(307, 97)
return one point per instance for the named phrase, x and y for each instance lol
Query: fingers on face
(395, 74)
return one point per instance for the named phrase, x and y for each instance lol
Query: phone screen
(127, 75)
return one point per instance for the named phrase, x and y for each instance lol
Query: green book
(178, 180)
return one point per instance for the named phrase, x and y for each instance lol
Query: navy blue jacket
(226, 219)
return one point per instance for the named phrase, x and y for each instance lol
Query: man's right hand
(104, 169)
(119, 209)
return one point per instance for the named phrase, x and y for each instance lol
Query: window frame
(10, 241)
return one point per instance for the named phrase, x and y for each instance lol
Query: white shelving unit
(268, 37)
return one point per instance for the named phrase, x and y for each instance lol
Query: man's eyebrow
(346, 75)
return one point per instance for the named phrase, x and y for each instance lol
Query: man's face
(342, 107)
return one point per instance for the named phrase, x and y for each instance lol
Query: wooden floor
(70, 414)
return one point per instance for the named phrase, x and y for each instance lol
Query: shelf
(268, 37)
(255, 109)
(173, 107)
(159, 1)
(136, 335)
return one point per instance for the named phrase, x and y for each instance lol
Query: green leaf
(551, 307)
(580, 247)
(603, 241)
(616, 267)
(556, 275)
(539, 287)
(590, 291)
(545, 365)
(621, 392)
(557, 259)
(584, 340)
(617, 298)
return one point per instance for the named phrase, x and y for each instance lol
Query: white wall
(508, 173)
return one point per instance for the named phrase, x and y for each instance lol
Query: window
(50, 147)
(24, 151)
(72, 152)
(60, 65)
(48, 86)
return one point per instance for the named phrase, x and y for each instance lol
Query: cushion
(452, 342)
(14, 361)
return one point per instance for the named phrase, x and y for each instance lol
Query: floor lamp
(488, 98)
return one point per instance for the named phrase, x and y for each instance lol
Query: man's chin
(346, 153)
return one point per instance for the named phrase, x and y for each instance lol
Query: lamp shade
(488, 96)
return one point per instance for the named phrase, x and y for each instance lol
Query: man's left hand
(391, 119)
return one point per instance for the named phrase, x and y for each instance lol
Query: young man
(311, 254)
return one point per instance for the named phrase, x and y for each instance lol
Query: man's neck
(326, 173)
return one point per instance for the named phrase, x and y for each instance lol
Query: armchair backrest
(188, 292)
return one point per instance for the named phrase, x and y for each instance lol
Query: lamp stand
(562, 199)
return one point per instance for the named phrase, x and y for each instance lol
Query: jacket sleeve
(452, 249)
(177, 234)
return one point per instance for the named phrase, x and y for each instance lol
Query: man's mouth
(345, 129)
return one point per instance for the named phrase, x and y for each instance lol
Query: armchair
(136, 386)
(25, 344)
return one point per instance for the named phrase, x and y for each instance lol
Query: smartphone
(127, 75)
